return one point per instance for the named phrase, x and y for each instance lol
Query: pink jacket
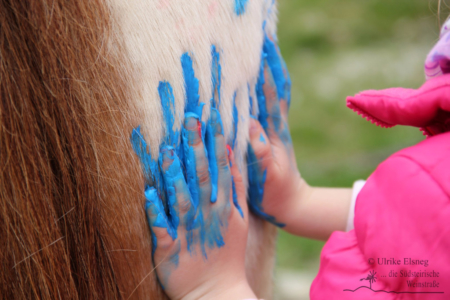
(400, 247)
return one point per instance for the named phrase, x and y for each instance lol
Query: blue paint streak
(193, 109)
(173, 174)
(191, 87)
(172, 137)
(216, 74)
(235, 198)
(239, 6)
(261, 138)
(216, 77)
(156, 214)
(278, 68)
(250, 99)
(190, 162)
(271, 60)
(211, 130)
(235, 121)
(150, 168)
(260, 97)
(201, 229)
(257, 179)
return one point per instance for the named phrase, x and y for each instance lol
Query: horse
(77, 78)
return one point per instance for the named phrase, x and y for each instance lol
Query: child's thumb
(260, 144)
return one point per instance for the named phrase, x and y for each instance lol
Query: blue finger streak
(211, 129)
(156, 214)
(260, 97)
(235, 198)
(277, 67)
(173, 174)
(240, 6)
(257, 179)
(191, 87)
(172, 137)
(216, 71)
(216, 77)
(235, 121)
(150, 168)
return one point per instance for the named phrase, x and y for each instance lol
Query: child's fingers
(196, 162)
(261, 145)
(163, 233)
(218, 158)
(271, 117)
(179, 200)
(269, 107)
(237, 186)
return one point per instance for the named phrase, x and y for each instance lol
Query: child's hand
(277, 192)
(274, 179)
(199, 246)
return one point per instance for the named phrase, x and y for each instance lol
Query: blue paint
(216, 77)
(193, 109)
(156, 214)
(261, 138)
(215, 120)
(235, 198)
(150, 168)
(189, 161)
(250, 99)
(191, 87)
(213, 128)
(235, 122)
(201, 229)
(260, 97)
(278, 68)
(171, 175)
(212, 230)
(161, 201)
(172, 137)
(257, 179)
(272, 63)
(240, 6)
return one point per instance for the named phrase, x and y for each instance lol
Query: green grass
(334, 49)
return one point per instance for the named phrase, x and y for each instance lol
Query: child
(398, 240)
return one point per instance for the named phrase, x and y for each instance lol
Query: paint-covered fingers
(195, 159)
(178, 196)
(260, 144)
(237, 186)
(265, 174)
(218, 158)
(161, 227)
(279, 72)
(276, 125)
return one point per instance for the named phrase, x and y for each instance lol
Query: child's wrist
(289, 210)
(239, 291)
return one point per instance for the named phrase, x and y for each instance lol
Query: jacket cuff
(357, 186)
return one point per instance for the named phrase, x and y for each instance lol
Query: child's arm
(277, 191)
(199, 246)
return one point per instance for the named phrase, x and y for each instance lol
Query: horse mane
(72, 224)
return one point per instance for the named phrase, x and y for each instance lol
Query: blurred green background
(334, 49)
